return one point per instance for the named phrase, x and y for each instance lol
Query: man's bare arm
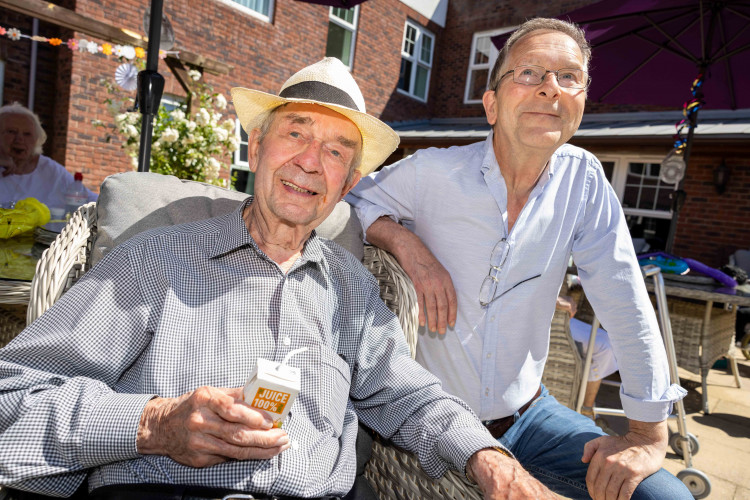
(617, 465)
(501, 477)
(433, 284)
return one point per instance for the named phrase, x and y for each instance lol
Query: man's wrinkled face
(543, 116)
(303, 165)
(17, 137)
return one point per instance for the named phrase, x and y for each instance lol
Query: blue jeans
(548, 440)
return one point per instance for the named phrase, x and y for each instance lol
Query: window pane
(243, 145)
(482, 53)
(410, 38)
(653, 230)
(609, 168)
(345, 14)
(644, 189)
(426, 53)
(339, 43)
(404, 77)
(478, 83)
(420, 83)
(260, 6)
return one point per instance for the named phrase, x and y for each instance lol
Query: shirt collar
(233, 234)
(489, 162)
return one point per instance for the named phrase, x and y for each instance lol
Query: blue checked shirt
(456, 201)
(181, 307)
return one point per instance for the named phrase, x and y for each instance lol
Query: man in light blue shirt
(527, 200)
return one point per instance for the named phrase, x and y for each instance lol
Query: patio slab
(723, 435)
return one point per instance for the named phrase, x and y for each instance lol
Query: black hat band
(319, 91)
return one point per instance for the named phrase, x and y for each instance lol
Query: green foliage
(194, 146)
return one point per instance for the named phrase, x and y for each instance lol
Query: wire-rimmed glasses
(569, 78)
(497, 259)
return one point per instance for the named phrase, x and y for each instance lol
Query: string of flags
(127, 52)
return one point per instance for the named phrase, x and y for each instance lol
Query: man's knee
(660, 485)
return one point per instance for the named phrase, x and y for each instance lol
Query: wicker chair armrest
(64, 262)
(396, 473)
(562, 373)
(396, 290)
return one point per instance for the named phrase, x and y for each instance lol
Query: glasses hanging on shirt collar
(498, 257)
(497, 260)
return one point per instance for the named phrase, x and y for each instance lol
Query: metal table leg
(704, 362)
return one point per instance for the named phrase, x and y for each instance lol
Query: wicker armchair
(64, 262)
(562, 373)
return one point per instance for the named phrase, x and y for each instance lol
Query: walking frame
(683, 443)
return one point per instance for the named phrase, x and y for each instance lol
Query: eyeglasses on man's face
(568, 78)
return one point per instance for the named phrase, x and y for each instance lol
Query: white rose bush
(194, 145)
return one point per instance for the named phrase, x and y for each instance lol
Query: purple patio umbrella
(649, 51)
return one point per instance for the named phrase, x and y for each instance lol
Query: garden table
(703, 325)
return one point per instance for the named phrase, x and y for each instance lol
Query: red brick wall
(263, 55)
(711, 225)
(16, 55)
(466, 17)
(70, 95)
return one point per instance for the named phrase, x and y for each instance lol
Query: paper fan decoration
(672, 169)
(126, 76)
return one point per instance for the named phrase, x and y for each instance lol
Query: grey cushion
(132, 202)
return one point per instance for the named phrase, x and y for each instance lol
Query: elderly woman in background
(24, 171)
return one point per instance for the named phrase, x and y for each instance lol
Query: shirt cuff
(112, 429)
(652, 410)
(369, 215)
(458, 446)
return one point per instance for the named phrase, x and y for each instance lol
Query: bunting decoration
(126, 52)
(689, 109)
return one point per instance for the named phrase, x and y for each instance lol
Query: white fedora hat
(327, 83)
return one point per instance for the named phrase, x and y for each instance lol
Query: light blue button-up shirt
(455, 200)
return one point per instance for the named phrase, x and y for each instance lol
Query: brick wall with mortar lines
(466, 17)
(16, 55)
(263, 56)
(711, 225)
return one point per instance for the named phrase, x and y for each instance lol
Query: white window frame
(494, 53)
(349, 27)
(417, 61)
(267, 18)
(619, 179)
(171, 101)
(236, 161)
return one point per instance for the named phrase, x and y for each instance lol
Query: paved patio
(723, 435)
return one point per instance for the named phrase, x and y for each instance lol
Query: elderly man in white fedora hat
(156, 410)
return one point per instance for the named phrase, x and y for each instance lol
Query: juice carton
(272, 388)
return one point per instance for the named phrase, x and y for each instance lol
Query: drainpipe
(32, 64)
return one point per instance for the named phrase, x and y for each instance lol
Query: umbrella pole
(679, 194)
(150, 86)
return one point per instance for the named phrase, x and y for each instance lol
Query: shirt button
(287, 341)
(487, 391)
(489, 355)
(492, 318)
(295, 445)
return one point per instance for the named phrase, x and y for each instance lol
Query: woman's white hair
(18, 109)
